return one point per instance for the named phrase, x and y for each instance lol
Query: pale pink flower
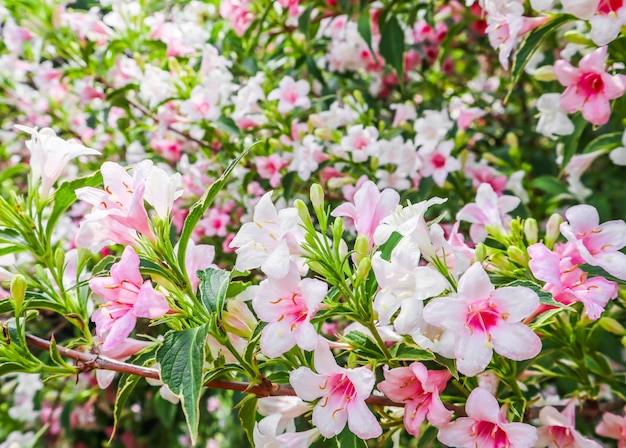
(288, 304)
(307, 157)
(369, 208)
(552, 118)
(486, 426)
(268, 434)
(269, 168)
(431, 129)
(568, 283)
(614, 427)
(485, 319)
(589, 86)
(161, 190)
(271, 241)
(198, 257)
(418, 388)
(438, 163)
(608, 21)
(126, 298)
(49, 156)
(287, 407)
(558, 429)
(489, 209)
(14, 36)
(215, 222)
(202, 104)
(238, 14)
(404, 113)
(291, 94)
(360, 142)
(342, 393)
(583, 9)
(122, 351)
(598, 244)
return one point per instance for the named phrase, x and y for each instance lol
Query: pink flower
(126, 297)
(239, 15)
(369, 208)
(598, 244)
(608, 21)
(291, 94)
(489, 209)
(215, 222)
(288, 304)
(568, 283)
(484, 319)
(269, 168)
(342, 394)
(558, 429)
(614, 427)
(418, 388)
(267, 433)
(589, 87)
(486, 426)
(122, 351)
(361, 142)
(438, 163)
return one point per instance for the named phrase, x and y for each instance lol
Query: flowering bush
(312, 223)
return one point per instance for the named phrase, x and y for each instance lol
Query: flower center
(591, 84)
(482, 316)
(609, 6)
(439, 161)
(490, 434)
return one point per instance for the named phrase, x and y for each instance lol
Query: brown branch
(589, 410)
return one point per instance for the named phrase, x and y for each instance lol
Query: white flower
(553, 120)
(618, 155)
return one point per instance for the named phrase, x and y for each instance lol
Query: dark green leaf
(362, 343)
(545, 297)
(404, 352)
(549, 184)
(182, 358)
(392, 46)
(213, 288)
(247, 415)
(304, 21)
(606, 141)
(570, 143)
(347, 439)
(531, 43)
(228, 125)
(364, 26)
(124, 389)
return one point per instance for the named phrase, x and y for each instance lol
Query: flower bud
(361, 248)
(517, 255)
(364, 268)
(531, 230)
(238, 319)
(276, 144)
(553, 230)
(612, 326)
(545, 73)
(337, 229)
(358, 96)
(343, 248)
(323, 134)
(18, 292)
(317, 198)
(480, 252)
(502, 262)
(576, 37)
(303, 211)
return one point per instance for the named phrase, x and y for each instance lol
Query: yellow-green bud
(337, 229)
(18, 292)
(238, 319)
(358, 96)
(59, 258)
(303, 211)
(361, 248)
(531, 230)
(317, 198)
(323, 134)
(364, 268)
(553, 229)
(480, 252)
(517, 255)
(276, 144)
(502, 262)
(545, 73)
(576, 37)
(612, 326)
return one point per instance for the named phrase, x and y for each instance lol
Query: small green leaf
(530, 44)
(213, 289)
(549, 184)
(364, 26)
(236, 288)
(392, 46)
(606, 141)
(182, 358)
(304, 21)
(404, 352)
(247, 415)
(124, 389)
(198, 209)
(347, 439)
(363, 344)
(228, 125)
(570, 143)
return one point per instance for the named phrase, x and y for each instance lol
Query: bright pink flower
(485, 319)
(438, 163)
(418, 388)
(288, 304)
(126, 298)
(568, 283)
(369, 208)
(589, 87)
(342, 394)
(598, 244)
(215, 222)
(614, 427)
(489, 209)
(124, 350)
(558, 429)
(486, 426)
(361, 142)
(291, 94)
(269, 168)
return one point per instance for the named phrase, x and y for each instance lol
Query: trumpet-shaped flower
(267, 434)
(558, 429)
(291, 94)
(49, 155)
(598, 244)
(418, 388)
(484, 319)
(486, 426)
(342, 394)
(288, 304)
(614, 427)
(126, 298)
(589, 86)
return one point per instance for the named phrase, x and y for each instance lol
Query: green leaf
(182, 358)
(347, 439)
(236, 288)
(549, 184)
(304, 21)
(12, 172)
(11, 367)
(228, 125)
(570, 143)
(606, 141)
(198, 209)
(531, 43)
(363, 344)
(124, 389)
(364, 26)
(213, 288)
(65, 196)
(545, 297)
(247, 415)
(404, 352)
(392, 46)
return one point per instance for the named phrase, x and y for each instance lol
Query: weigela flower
(268, 435)
(614, 427)
(342, 393)
(558, 429)
(288, 304)
(418, 388)
(553, 120)
(438, 163)
(486, 426)
(361, 142)
(598, 244)
(484, 319)
(589, 86)
(126, 298)
(291, 94)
